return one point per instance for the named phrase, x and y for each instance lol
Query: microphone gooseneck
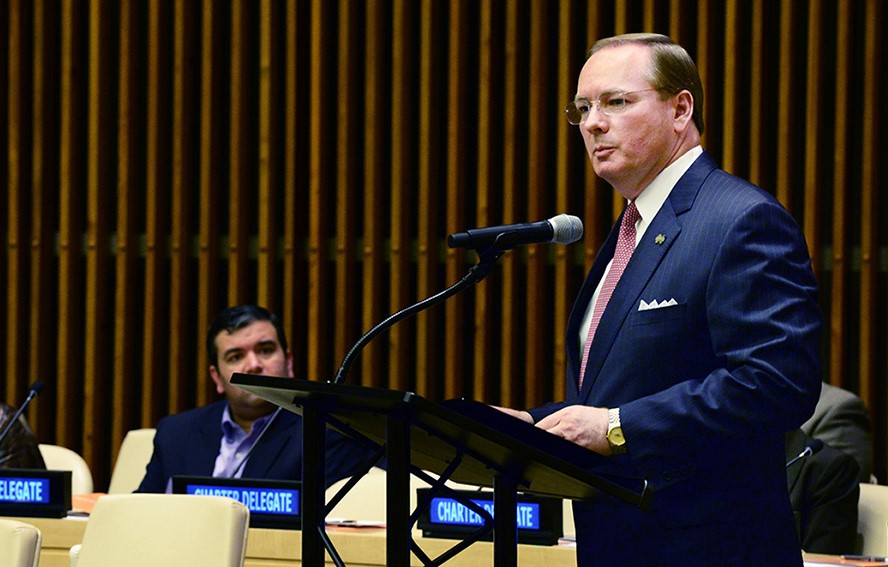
(490, 244)
(36, 388)
(813, 446)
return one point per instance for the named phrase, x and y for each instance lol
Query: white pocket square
(645, 306)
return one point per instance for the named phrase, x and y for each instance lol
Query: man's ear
(684, 110)
(290, 374)
(217, 378)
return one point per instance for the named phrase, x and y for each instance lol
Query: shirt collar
(231, 430)
(654, 195)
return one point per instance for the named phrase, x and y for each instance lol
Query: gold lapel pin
(660, 239)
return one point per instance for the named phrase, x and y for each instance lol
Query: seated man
(243, 436)
(19, 449)
(842, 421)
(823, 489)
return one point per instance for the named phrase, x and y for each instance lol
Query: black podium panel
(459, 440)
(490, 441)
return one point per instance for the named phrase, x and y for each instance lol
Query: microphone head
(815, 445)
(566, 229)
(37, 387)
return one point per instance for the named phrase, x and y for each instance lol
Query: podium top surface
(486, 441)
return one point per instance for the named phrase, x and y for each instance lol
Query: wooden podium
(465, 441)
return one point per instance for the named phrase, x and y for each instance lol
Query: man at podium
(693, 346)
(243, 435)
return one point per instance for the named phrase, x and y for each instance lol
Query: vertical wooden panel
(565, 185)
(648, 16)
(538, 119)
(483, 308)
(347, 111)
(157, 178)
(731, 80)
(291, 300)
(870, 187)
(457, 91)
(430, 224)
(44, 212)
(71, 196)
(239, 145)
(399, 375)
(703, 61)
(785, 103)
(182, 314)
(813, 175)
(98, 269)
(16, 265)
(128, 181)
(838, 320)
(318, 340)
(270, 114)
(374, 159)
(757, 96)
(212, 151)
(514, 97)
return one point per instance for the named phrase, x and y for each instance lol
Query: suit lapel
(268, 448)
(203, 451)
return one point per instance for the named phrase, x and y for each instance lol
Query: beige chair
(146, 530)
(872, 519)
(19, 544)
(366, 501)
(133, 457)
(58, 458)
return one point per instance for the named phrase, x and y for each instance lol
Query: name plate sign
(539, 519)
(272, 503)
(35, 493)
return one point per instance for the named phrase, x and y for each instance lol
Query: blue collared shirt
(236, 444)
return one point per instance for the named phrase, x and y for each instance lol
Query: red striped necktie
(622, 253)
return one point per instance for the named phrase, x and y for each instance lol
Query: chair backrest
(366, 501)
(58, 458)
(19, 543)
(133, 457)
(146, 530)
(872, 519)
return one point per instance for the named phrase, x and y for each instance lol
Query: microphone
(813, 446)
(561, 229)
(36, 388)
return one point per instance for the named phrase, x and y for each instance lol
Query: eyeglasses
(608, 103)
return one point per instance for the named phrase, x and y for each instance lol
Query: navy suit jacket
(707, 388)
(188, 443)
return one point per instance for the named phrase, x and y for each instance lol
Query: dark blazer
(188, 443)
(841, 420)
(707, 388)
(824, 491)
(20, 448)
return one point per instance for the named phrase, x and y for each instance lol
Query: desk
(279, 548)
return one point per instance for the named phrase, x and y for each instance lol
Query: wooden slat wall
(166, 159)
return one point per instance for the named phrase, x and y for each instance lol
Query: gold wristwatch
(615, 437)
